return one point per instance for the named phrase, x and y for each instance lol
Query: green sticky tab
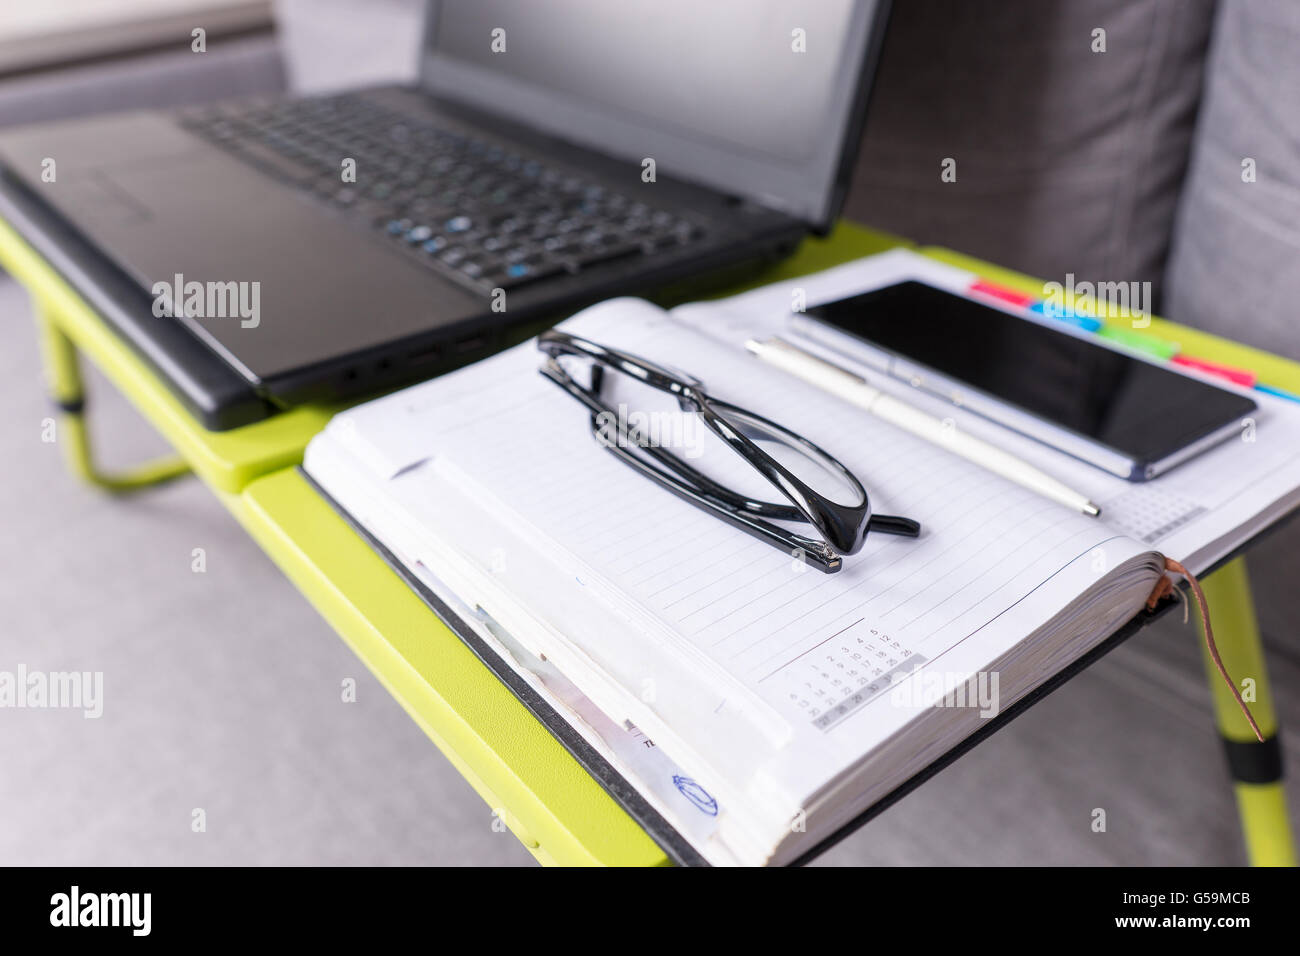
(1160, 348)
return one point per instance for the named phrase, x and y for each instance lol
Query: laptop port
(470, 343)
(427, 354)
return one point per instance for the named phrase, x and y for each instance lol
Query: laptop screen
(751, 97)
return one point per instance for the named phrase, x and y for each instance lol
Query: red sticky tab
(984, 287)
(1238, 376)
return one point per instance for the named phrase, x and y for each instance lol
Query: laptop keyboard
(484, 214)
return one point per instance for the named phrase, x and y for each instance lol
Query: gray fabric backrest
(1235, 268)
(1067, 160)
(233, 66)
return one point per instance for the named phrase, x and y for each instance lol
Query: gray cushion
(1067, 160)
(233, 66)
(1235, 268)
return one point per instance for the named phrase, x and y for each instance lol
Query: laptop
(269, 252)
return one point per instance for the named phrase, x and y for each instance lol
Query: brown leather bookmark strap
(1166, 587)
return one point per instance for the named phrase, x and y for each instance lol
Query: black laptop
(266, 253)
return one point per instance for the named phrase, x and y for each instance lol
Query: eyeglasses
(842, 527)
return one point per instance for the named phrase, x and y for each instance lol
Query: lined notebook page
(817, 647)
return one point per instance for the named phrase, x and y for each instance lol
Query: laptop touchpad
(101, 202)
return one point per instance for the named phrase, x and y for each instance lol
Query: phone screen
(1139, 409)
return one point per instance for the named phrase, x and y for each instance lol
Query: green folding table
(527, 778)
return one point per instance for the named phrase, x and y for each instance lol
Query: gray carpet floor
(221, 692)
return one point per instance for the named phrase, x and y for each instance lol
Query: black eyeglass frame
(843, 527)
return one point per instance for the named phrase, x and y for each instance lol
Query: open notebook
(757, 704)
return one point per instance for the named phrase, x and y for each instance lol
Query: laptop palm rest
(267, 260)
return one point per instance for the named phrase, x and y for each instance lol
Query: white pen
(854, 389)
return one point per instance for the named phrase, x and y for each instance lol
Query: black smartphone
(1113, 409)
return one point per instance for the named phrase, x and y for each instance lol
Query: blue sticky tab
(1056, 311)
(1084, 322)
(1270, 390)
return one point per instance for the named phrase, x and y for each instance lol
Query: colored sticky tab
(1270, 390)
(1142, 343)
(984, 287)
(1055, 310)
(1085, 322)
(1238, 376)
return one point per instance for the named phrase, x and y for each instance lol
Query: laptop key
(268, 159)
(519, 274)
(588, 256)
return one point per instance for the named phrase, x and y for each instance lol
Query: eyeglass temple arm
(816, 553)
(893, 524)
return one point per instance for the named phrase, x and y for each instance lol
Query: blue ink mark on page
(693, 792)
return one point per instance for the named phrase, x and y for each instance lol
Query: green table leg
(63, 372)
(1256, 767)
